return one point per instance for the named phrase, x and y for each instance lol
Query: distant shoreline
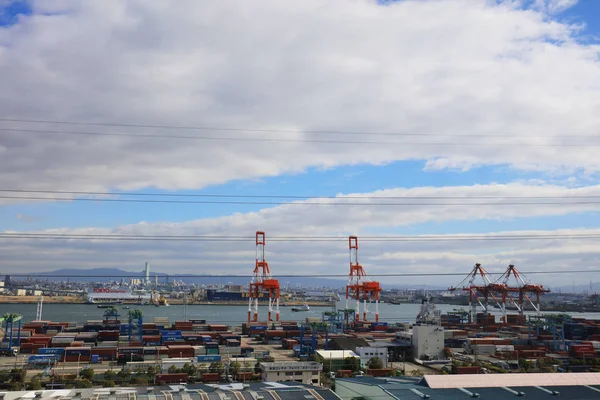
(76, 300)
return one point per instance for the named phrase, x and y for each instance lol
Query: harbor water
(231, 315)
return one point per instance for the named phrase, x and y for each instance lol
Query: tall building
(147, 280)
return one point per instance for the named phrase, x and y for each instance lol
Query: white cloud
(305, 257)
(455, 68)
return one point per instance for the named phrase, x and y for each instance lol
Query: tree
(375, 363)
(351, 363)
(217, 367)
(173, 369)
(109, 375)
(87, 373)
(108, 384)
(18, 374)
(234, 368)
(35, 384)
(257, 367)
(124, 375)
(190, 369)
(83, 383)
(138, 380)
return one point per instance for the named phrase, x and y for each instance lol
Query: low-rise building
(482, 386)
(367, 353)
(307, 372)
(336, 359)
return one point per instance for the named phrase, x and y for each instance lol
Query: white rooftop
(336, 354)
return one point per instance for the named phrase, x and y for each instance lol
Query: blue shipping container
(258, 328)
(50, 358)
(170, 333)
(209, 358)
(51, 350)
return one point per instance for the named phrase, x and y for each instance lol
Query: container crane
(262, 282)
(519, 292)
(478, 293)
(359, 286)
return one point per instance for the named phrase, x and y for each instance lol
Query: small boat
(126, 308)
(305, 307)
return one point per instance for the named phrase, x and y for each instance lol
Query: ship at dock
(108, 296)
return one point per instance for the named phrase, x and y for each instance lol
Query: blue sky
(521, 81)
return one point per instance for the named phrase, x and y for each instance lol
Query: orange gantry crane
(518, 292)
(262, 282)
(478, 293)
(501, 291)
(359, 286)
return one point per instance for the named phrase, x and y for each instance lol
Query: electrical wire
(300, 203)
(299, 197)
(267, 130)
(224, 238)
(262, 139)
(397, 274)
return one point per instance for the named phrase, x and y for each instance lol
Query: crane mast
(262, 283)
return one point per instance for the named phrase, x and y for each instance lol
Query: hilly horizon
(107, 274)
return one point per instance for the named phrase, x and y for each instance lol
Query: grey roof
(286, 391)
(409, 389)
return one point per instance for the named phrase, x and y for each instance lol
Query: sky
(443, 133)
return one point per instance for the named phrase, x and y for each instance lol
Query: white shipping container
(505, 347)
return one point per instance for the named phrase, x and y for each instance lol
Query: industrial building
(307, 372)
(252, 390)
(427, 336)
(485, 387)
(335, 358)
(367, 353)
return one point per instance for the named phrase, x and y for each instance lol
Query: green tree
(109, 375)
(108, 384)
(217, 367)
(190, 369)
(83, 383)
(173, 369)
(18, 374)
(124, 375)
(87, 373)
(257, 367)
(351, 363)
(234, 368)
(139, 380)
(375, 363)
(35, 384)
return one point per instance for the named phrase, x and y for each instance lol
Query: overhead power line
(272, 130)
(225, 238)
(306, 203)
(279, 140)
(298, 197)
(398, 274)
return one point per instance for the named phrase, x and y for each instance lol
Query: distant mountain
(107, 274)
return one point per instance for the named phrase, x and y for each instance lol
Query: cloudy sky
(442, 133)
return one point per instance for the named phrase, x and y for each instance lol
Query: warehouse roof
(484, 386)
(250, 391)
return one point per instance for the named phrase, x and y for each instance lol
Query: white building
(366, 353)
(428, 340)
(307, 372)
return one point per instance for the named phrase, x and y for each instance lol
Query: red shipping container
(210, 377)
(468, 370)
(172, 378)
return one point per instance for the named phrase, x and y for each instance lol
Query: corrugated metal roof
(511, 380)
